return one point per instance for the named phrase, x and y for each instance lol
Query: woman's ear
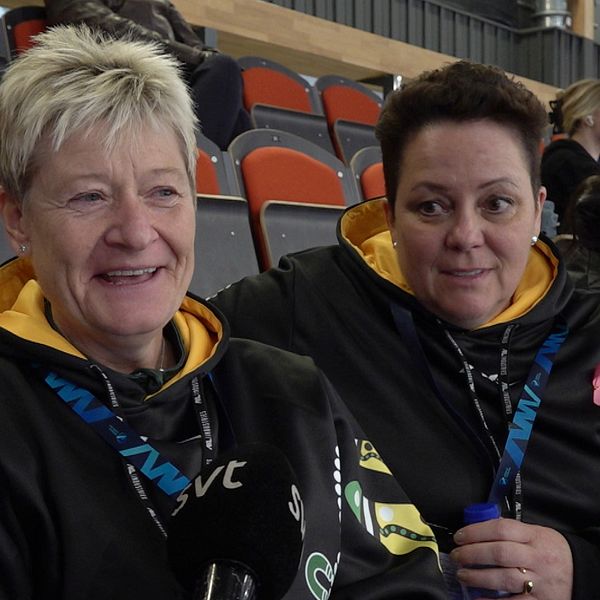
(539, 207)
(389, 215)
(12, 218)
(391, 220)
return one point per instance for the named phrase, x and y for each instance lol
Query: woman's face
(111, 235)
(464, 218)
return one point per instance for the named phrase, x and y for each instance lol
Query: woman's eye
(499, 204)
(431, 208)
(88, 197)
(165, 193)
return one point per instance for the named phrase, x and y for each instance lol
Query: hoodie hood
(22, 314)
(364, 229)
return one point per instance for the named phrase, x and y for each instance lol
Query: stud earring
(394, 243)
(534, 239)
(22, 248)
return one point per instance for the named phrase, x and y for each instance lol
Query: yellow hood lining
(23, 302)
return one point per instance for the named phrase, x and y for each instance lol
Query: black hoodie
(72, 526)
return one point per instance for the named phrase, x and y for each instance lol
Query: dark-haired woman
(582, 252)
(455, 336)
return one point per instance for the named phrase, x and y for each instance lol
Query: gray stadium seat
(350, 137)
(223, 247)
(292, 226)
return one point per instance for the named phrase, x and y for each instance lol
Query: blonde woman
(567, 161)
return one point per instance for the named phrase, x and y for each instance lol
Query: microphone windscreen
(246, 508)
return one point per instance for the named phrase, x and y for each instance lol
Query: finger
(510, 580)
(529, 591)
(495, 554)
(495, 529)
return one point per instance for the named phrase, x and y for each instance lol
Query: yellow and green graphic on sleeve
(370, 459)
(399, 527)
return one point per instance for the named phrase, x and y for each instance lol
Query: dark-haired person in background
(438, 317)
(582, 253)
(117, 387)
(215, 80)
(567, 162)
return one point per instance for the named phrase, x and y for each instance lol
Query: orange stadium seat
(214, 174)
(279, 98)
(18, 27)
(367, 167)
(268, 82)
(280, 166)
(352, 110)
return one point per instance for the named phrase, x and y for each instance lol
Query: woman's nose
(132, 223)
(465, 231)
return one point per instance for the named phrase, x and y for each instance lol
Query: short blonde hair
(74, 79)
(580, 99)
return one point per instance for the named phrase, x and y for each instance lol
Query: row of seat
(272, 192)
(266, 166)
(336, 113)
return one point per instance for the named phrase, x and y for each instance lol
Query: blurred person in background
(214, 79)
(567, 161)
(582, 252)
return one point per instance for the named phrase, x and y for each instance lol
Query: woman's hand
(533, 562)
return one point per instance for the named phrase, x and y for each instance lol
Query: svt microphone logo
(229, 481)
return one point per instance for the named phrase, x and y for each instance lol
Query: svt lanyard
(137, 451)
(520, 428)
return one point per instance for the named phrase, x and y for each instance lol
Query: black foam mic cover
(244, 508)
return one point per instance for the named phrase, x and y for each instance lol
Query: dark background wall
(551, 55)
(501, 11)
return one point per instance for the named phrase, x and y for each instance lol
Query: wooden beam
(583, 12)
(17, 3)
(314, 46)
(307, 44)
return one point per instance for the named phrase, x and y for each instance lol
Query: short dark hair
(460, 92)
(583, 213)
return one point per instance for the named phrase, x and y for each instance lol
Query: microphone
(237, 532)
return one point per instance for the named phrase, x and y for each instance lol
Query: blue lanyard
(519, 431)
(520, 428)
(136, 450)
